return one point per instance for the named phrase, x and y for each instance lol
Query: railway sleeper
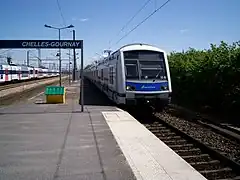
(167, 131)
(194, 158)
(171, 138)
(185, 152)
(175, 142)
(206, 165)
(159, 134)
(181, 146)
(154, 125)
(161, 131)
(156, 128)
(218, 173)
(154, 131)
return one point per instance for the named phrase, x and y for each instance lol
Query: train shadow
(93, 96)
(144, 114)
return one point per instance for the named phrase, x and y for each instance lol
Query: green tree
(207, 77)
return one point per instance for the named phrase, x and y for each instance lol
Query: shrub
(207, 77)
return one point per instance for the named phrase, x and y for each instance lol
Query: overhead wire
(62, 16)
(5, 51)
(60, 10)
(139, 24)
(132, 18)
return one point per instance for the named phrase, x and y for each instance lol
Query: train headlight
(128, 88)
(164, 88)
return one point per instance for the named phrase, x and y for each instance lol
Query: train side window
(1, 76)
(102, 74)
(111, 75)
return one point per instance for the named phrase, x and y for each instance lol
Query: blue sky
(177, 26)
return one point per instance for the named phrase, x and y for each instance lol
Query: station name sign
(48, 44)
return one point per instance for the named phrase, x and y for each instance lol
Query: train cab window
(148, 64)
(131, 69)
(131, 55)
(152, 68)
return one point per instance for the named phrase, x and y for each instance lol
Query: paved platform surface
(45, 141)
(148, 156)
(42, 141)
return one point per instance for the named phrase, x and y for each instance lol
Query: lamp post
(69, 63)
(59, 55)
(69, 72)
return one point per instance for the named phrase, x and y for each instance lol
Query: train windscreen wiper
(157, 75)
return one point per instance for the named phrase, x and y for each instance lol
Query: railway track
(21, 83)
(222, 129)
(28, 93)
(209, 162)
(226, 129)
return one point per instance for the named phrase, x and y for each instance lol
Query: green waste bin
(55, 94)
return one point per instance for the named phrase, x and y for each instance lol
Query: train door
(10, 72)
(6, 74)
(116, 80)
(19, 73)
(36, 73)
(1, 73)
(116, 77)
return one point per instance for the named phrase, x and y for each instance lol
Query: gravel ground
(23, 96)
(204, 135)
(27, 82)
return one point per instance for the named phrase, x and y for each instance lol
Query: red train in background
(14, 72)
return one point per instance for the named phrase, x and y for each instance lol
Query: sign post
(48, 44)
(81, 83)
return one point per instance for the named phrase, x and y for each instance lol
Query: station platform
(58, 141)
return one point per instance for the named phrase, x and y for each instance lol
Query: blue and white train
(9, 73)
(135, 74)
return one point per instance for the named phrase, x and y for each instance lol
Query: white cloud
(84, 19)
(184, 30)
(80, 19)
(95, 57)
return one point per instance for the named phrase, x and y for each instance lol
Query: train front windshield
(145, 65)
